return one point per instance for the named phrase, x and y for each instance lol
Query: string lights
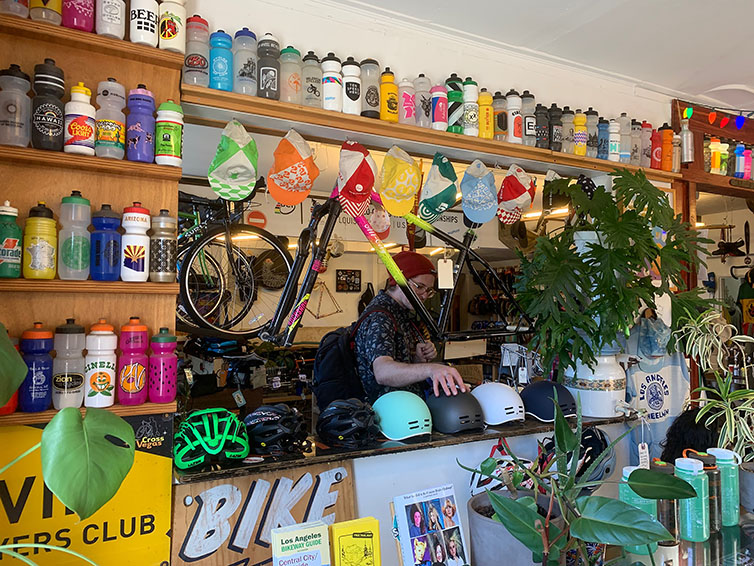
(712, 117)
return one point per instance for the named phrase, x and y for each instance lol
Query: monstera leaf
(12, 367)
(85, 459)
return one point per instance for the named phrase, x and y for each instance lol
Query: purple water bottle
(133, 363)
(163, 365)
(35, 393)
(78, 14)
(140, 125)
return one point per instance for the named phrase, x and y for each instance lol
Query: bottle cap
(511, 92)
(526, 94)
(603, 120)
(140, 89)
(76, 198)
(709, 461)
(134, 325)
(331, 64)
(48, 75)
(197, 20)
(268, 40)
(70, 327)
(540, 108)
(498, 95)
(170, 106)
(351, 62)
(635, 123)
(290, 49)
(453, 78)
(438, 88)
(221, 36)
(646, 124)
(485, 97)
(164, 220)
(81, 89)
(469, 81)
(658, 465)
(106, 212)
(40, 211)
(311, 56)
(330, 57)
(554, 108)
(101, 326)
(405, 83)
(665, 127)
(14, 71)
(689, 465)
(387, 72)
(136, 209)
(567, 110)
(163, 336)
(245, 32)
(8, 210)
(623, 115)
(628, 469)
(369, 62)
(591, 112)
(36, 333)
(725, 455)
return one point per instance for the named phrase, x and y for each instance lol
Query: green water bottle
(11, 237)
(715, 487)
(628, 495)
(694, 512)
(728, 462)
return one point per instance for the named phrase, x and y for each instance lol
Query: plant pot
(746, 485)
(601, 389)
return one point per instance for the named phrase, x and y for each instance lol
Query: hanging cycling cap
(479, 198)
(293, 172)
(439, 192)
(233, 172)
(380, 222)
(400, 182)
(515, 195)
(356, 177)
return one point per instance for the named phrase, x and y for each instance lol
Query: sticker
(110, 133)
(133, 378)
(79, 130)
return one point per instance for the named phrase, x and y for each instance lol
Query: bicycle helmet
(594, 442)
(209, 434)
(455, 413)
(538, 400)
(401, 415)
(348, 423)
(480, 483)
(276, 429)
(500, 403)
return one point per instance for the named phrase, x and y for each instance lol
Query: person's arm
(390, 373)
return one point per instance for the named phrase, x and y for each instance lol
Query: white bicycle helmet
(500, 403)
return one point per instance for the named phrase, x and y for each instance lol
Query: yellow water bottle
(580, 133)
(388, 96)
(486, 115)
(40, 243)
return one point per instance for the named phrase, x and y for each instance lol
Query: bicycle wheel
(205, 304)
(234, 289)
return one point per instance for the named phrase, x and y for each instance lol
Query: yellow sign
(132, 528)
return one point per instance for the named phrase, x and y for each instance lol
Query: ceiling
(673, 44)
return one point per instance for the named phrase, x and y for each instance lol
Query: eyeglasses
(422, 289)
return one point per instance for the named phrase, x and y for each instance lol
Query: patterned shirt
(378, 336)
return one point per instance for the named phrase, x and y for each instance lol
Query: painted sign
(133, 527)
(229, 522)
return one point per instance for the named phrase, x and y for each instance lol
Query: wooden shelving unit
(89, 287)
(207, 106)
(43, 417)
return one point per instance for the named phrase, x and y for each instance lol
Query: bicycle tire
(275, 254)
(181, 314)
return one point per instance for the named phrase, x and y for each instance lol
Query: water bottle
(12, 405)
(388, 96)
(47, 109)
(486, 115)
(666, 139)
(629, 496)
(110, 121)
(656, 156)
(74, 238)
(667, 509)
(245, 62)
(579, 133)
(499, 107)
(140, 125)
(542, 128)
(747, 163)
(134, 256)
(18, 8)
(163, 367)
(111, 18)
(162, 248)
(78, 14)
(80, 125)
(728, 462)
(592, 132)
(145, 19)
(694, 512)
(15, 107)
(715, 487)
(312, 77)
(676, 168)
(555, 117)
(68, 366)
(515, 120)
(613, 141)
(104, 264)
(351, 87)
(168, 149)
(646, 145)
(173, 26)
(99, 365)
(220, 61)
(35, 393)
(530, 122)
(196, 62)
(470, 108)
(567, 118)
(439, 108)
(723, 153)
(454, 86)
(625, 137)
(603, 139)
(268, 67)
(11, 237)
(40, 243)
(290, 76)
(687, 143)
(423, 100)
(370, 86)
(406, 102)
(636, 132)
(730, 150)
(133, 363)
(50, 11)
(332, 83)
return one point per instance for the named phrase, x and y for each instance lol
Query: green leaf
(85, 459)
(565, 439)
(520, 521)
(488, 466)
(611, 521)
(12, 367)
(651, 484)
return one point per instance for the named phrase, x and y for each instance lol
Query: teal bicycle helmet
(401, 414)
(209, 434)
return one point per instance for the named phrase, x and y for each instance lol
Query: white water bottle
(351, 87)
(244, 62)
(173, 26)
(196, 62)
(80, 126)
(134, 249)
(406, 102)
(332, 83)
(74, 238)
(111, 18)
(110, 140)
(99, 381)
(515, 120)
(68, 367)
(145, 19)
(614, 141)
(423, 101)
(625, 138)
(470, 108)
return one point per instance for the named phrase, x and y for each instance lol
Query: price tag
(445, 274)
(239, 398)
(189, 376)
(644, 455)
(523, 376)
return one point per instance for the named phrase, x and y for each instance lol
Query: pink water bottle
(747, 164)
(78, 14)
(163, 365)
(133, 363)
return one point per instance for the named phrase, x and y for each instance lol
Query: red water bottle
(133, 363)
(656, 150)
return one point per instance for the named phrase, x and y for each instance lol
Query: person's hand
(425, 352)
(447, 378)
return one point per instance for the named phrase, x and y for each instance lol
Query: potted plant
(585, 285)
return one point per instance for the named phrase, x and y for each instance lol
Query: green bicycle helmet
(401, 414)
(209, 434)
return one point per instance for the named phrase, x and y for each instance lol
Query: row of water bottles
(727, 157)
(99, 377)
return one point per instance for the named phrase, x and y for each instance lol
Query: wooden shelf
(29, 157)
(719, 184)
(18, 419)
(89, 41)
(89, 287)
(214, 107)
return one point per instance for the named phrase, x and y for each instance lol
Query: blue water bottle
(220, 61)
(140, 125)
(104, 262)
(35, 393)
(603, 139)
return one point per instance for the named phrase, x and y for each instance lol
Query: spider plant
(732, 411)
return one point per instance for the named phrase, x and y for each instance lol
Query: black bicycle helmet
(538, 400)
(209, 434)
(347, 423)
(455, 413)
(276, 429)
(594, 442)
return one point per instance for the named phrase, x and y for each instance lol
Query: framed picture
(348, 280)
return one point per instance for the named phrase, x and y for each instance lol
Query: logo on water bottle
(353, 90)
(48, 119)
(268, 77)
(133, 377)
(220, 66)
(80, 130)
(372, 96)
(67, 382)
(170, 24)
(100, 383)
(10, 251)
(294, 82)
(196, 62)
(41, 254)
(409, 103)
(134, 257)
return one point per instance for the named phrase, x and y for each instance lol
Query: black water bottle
(542, 127)
(47, 109)
(556, 127)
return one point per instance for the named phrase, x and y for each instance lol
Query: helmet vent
(510, 410)
(413, 425)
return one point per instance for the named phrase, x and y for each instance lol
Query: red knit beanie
(412, 264)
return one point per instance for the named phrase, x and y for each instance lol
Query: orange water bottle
(666, 138)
